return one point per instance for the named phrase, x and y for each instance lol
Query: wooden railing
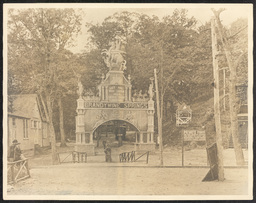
(130, 156)
(17, 170)
(77, 157)
(147, 154)
(127, 156)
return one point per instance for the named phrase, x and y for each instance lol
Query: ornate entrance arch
(114, 101)
(95, 128)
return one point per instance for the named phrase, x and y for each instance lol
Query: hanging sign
(183, 115)
(194, 135)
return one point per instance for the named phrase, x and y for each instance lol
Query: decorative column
(148, 137)
(83, 138)
(141, 137)
(129, 89)
(103, 93)
(130, 93)
(151, 112)
(80, 131)
(106, 90)
(78, 137)
(91, 138)
(125, 94)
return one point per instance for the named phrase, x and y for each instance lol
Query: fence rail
(77, 157)
(130, 156)
(17, 170)
(127, 156)
(146, 153)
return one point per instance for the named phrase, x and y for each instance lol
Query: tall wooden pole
(224, 89)
(217, 103)
(232, 92)
(159, 119)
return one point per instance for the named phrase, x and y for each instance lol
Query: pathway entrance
(115, 133)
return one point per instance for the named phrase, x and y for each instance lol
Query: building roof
(26, 106)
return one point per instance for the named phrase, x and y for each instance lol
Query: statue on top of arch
(114, 56)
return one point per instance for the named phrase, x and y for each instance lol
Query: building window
(34, 124)
(25, 129)
(13, 121)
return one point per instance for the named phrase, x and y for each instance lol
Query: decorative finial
(80, 89)
(150, 89)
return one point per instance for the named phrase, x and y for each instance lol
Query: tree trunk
(232, 93)
(44, 107)
(159, 119)
(234, 123)
(62, 132)
(52, 132)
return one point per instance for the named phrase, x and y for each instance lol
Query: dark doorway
(115, 133)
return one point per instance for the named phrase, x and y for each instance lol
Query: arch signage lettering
(133, 105)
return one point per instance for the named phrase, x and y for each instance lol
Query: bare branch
(217, 12)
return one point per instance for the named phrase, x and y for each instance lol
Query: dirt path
(91, 179)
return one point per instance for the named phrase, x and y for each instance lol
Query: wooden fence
(130, 156)
(72, 157)
(17, 170)
(127, 156)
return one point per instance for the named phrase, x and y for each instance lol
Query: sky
(201, 12)
(96, 13)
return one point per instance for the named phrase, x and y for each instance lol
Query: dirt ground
(96, 177)
(101, 179)
(172, 156)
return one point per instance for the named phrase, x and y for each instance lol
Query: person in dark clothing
(14, 151)
(107, 151)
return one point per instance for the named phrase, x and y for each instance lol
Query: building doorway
(116, 134)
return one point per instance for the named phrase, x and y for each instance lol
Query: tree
(172, 45)
(232, 64)
(36, 40)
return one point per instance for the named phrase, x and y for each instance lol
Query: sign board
(194, 135)
(116, 93)
(183, 115)
(132, 105)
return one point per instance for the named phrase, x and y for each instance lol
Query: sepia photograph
(127, 101)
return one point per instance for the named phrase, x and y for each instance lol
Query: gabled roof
(26, 106)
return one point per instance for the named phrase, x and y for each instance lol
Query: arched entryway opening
(116, 134)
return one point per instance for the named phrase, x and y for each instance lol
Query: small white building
(27, 121)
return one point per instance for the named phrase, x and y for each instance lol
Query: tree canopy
(39, 60)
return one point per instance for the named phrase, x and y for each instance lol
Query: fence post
(147, 156)
(27, 168)
(12, 171)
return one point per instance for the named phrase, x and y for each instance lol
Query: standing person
(15, 153)
(107, 151)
